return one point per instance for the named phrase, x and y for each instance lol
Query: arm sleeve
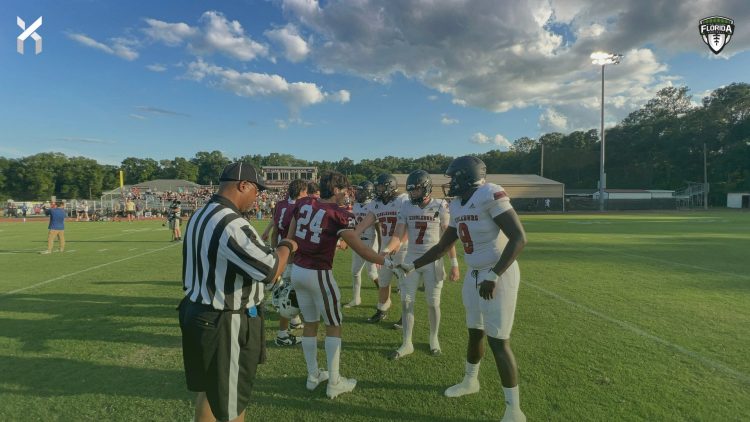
(242, 247)
(498, 201)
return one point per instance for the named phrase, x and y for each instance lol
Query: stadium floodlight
(601, 58)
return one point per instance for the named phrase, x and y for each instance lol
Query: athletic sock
(512, 399)
(333, 352)
(310, 348)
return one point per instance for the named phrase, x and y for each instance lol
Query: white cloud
(432, 97)
(446, 120)
(120, 47)
(216, 34)
(295, 47)
(501, 58)
(552, 121)
(156, 67)
(85, 140)
(171, 34)
(137, 116)
(480, 138)
(295, 95)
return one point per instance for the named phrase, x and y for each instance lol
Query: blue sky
(324, 80)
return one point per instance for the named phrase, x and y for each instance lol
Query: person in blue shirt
(56, 226)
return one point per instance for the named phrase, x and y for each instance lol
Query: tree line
(659, 146)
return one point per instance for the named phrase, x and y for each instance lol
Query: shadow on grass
(86, 317)
(47, 377)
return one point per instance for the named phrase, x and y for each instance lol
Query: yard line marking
(96, 267)
(664, 261)
(630, 327)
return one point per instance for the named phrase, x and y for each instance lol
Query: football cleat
(289, 340)
(467, 386)
(344, 385)
(353, 304)
(378, 316)
(400, 352)
(435, 352)
(313, 382)
(398, 325)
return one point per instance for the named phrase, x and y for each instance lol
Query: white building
(738, 200)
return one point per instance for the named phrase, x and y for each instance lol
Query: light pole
(601, 58)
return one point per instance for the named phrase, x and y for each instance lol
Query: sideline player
(282, 217)
(424, 219)
(316, 227)
(364, 193)
(493, 237)
(383, 212)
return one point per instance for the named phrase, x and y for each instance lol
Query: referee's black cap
(242, 171)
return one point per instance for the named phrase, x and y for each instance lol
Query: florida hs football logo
(716, 32)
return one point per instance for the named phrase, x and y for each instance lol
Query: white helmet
(285, 301)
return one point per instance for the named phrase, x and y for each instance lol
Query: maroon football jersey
(282, 216)
(317, 231)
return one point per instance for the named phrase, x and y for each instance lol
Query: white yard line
(632, 328)
(95, 267)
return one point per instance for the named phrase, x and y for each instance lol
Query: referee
(224, 263)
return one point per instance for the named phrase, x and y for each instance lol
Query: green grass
(620, 317)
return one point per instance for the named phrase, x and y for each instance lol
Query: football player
(424, 219)
(363, 195)
(481, 216)
(383, 212)
(282, 217)
(316, 226)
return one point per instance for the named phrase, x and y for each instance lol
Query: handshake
(400, 270)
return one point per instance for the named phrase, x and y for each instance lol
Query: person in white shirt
(482, 217)
(364, 193)
(424, 219)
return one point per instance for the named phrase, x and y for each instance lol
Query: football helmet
(386, 187)
(419, 179)
(285, 301)
(466, 173)
(364, 192)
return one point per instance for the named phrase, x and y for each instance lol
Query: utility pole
(705, 179)
(541, 171)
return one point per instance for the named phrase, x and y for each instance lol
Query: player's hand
(406, 268)
(342, 245)
(264, 237)
(455, 274)
(486, 289)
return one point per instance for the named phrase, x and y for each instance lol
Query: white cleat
(353, 303)
(463, 388)
(344, 385)
(313, 382)
(512, 415)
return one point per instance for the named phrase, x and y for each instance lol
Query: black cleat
(377, 317)
(398, 325)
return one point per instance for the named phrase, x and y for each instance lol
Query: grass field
(620, 317)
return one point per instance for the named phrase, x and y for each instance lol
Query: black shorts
(221, 351)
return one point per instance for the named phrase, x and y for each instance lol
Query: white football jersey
(387, 216)
(360, 212)
(423, 224)
(482, 239)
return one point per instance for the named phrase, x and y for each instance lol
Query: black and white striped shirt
(224, 261)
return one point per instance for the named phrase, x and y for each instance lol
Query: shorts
(384, 274)
(494, 316)
(432, 274)
(221, 351)
(318, 295)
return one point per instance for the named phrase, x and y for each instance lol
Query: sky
(324, 80)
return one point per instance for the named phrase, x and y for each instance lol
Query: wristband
(492, 276)
(286, 242)
(454, 262)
